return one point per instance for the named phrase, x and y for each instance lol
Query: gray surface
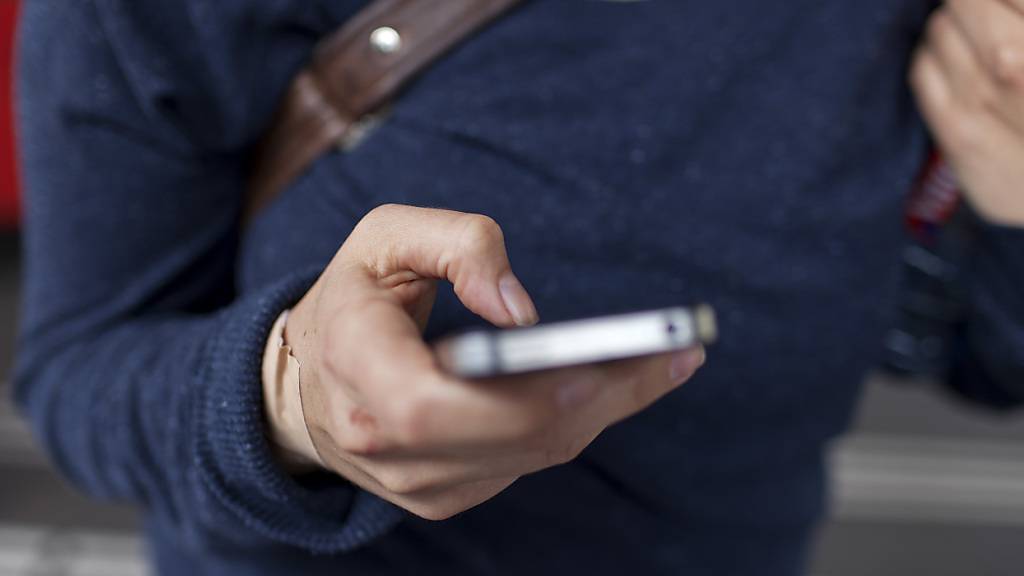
(970, 458)
(46, 527)
(884, 549)
(48, 552)
(924, 485)
(900, 407)
(38, 497)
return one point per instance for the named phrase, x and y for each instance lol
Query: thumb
(468, 250)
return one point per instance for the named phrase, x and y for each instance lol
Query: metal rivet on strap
(386, 40)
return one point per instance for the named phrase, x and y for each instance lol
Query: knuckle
(1008, 62)
(358, 445)
(369, 221)
(359, 442)
(481, 231)
(366, 230)
(381, 212)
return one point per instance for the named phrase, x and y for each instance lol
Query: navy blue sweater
(638, 154)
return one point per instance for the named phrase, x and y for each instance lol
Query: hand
(968, 76)
(382, 414)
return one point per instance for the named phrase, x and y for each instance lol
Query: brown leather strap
(354, 72)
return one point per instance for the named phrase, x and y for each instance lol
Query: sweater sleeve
(988, 354)
(138, 364)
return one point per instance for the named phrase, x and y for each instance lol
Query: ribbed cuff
(234, 459)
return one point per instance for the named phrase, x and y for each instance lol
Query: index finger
(995, 31)
(376, 352)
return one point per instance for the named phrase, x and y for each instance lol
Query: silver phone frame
(484, 353)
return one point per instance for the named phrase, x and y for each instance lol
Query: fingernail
(576, 393)
(517, 301)
(685, 363)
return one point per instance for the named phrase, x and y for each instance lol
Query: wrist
(299, 334)
(285, 420)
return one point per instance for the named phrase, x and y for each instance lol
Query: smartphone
(483, 353)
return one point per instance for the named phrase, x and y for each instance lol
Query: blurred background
(923, 485)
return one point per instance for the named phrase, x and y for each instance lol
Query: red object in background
(8, 163)
(934, 199)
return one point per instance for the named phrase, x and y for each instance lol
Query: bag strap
(353, 73)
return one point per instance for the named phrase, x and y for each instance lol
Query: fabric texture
(637, 155)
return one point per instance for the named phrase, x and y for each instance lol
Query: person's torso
(643, 154)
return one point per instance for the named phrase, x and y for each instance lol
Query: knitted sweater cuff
(234, 459)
